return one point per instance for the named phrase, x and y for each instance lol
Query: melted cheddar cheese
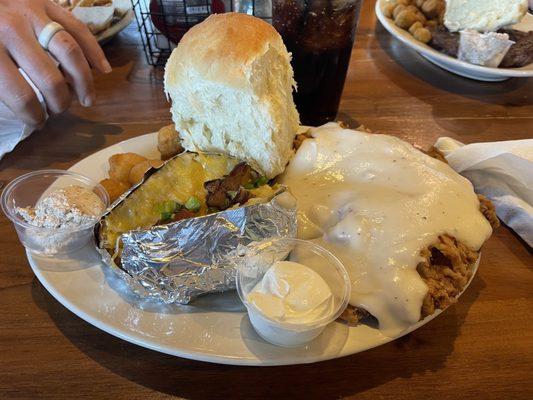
(178, 180)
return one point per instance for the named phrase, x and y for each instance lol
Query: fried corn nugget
(138, 170)
(433, 8)
(397, 9)
(114, 188)
(406, 18)
(120, 165)
(388, 10)
(417, 25)
(422, 35)
(168, 142)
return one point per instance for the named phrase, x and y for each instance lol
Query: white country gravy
(375, 201)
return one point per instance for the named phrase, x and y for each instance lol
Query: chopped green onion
(249, 185)
(193, 204)
(262, 180)
(166, 206)
(165, 216)
(166, 209)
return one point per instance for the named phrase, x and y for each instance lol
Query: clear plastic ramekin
(254, 260)
(27, 190)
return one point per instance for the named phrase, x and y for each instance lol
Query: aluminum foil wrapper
(185, 259)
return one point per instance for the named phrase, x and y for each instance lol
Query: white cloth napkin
(502, 171)
(12, 131)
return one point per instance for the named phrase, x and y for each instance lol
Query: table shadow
(422, 351)
(503, 96)
(333, 338)
(348, 120)
(514, 245)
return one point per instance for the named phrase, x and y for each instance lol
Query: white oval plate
(453, 64)
(108, 34)
(214, 329)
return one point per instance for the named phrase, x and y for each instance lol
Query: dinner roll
(230, 82)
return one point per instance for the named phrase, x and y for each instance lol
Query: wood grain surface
(481, 348)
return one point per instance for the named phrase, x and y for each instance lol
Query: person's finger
(74, 65)
(29, 55)
(91, 49)
(17, 94)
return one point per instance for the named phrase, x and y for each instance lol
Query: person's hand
(75, 48)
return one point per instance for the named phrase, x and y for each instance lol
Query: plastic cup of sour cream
(285, 308)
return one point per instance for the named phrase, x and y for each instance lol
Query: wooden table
(481, 348)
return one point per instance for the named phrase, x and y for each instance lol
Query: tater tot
(168, 142)
(120, 165)
(138, 170)
(114, 188)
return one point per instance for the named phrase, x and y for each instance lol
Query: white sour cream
(375, 202)
(291, 292)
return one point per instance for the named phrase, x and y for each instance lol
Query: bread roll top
(222, 49)
(230, 81)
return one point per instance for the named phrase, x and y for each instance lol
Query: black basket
(162, 23)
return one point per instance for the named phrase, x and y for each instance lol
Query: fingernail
(106, 67)
(87, 101)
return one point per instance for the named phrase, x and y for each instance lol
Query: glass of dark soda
(320, 35)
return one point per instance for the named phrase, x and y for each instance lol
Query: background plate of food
(104, 18)
(429, 34)
(115, 28)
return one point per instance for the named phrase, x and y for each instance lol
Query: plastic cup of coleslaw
(255, 259)
(27, 190)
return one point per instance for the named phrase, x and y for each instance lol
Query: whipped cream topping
(375, 202)
(292, 292)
